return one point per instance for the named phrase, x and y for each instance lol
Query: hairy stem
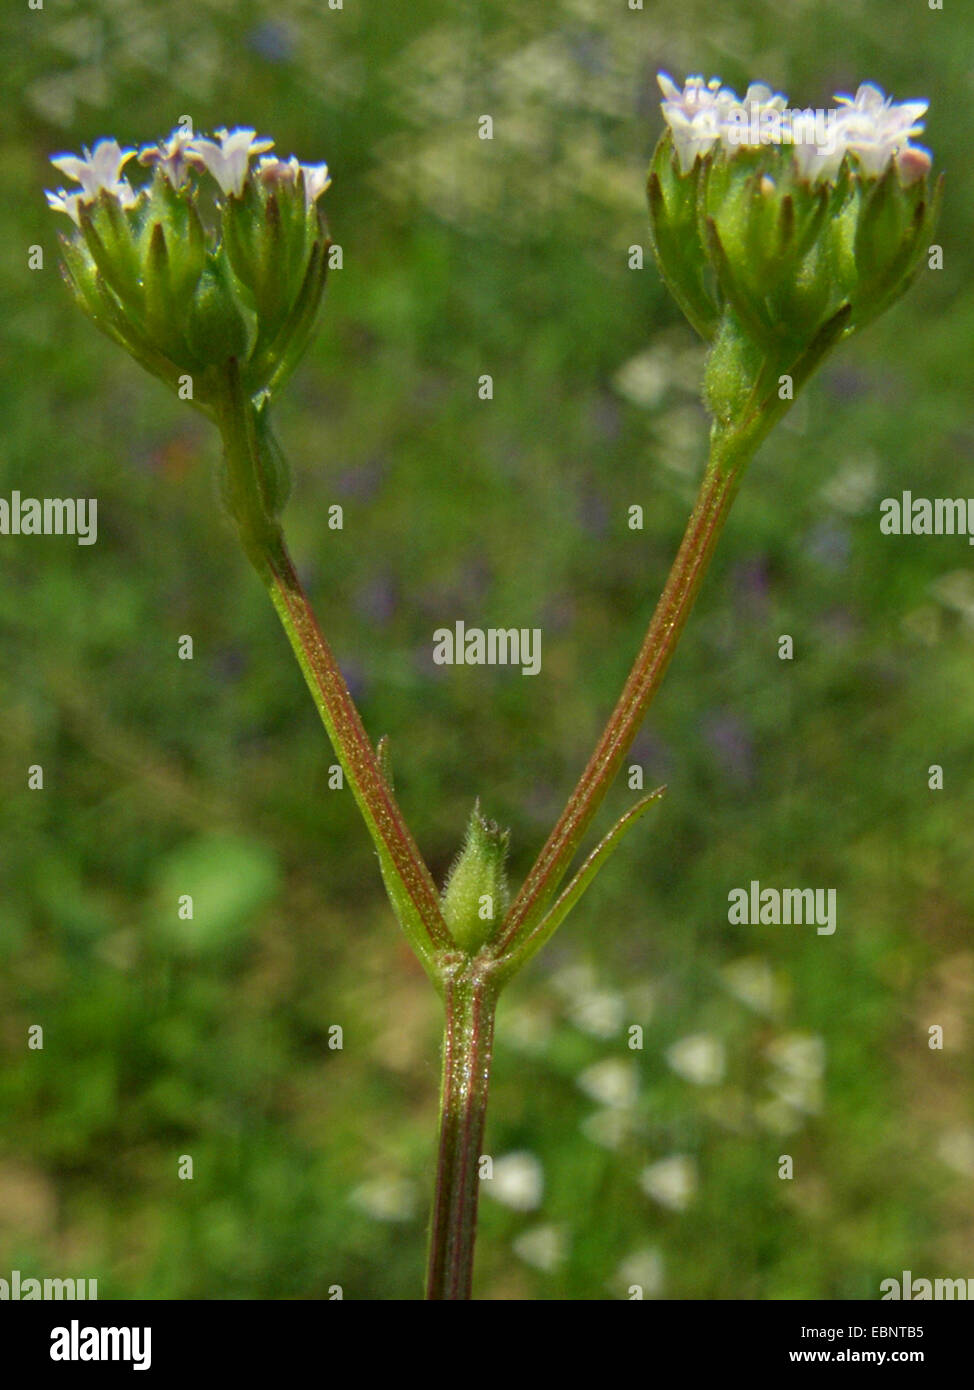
(352, 744)
(470, 999)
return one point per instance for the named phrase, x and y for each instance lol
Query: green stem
(340, 717)
(470, 999)
(729, 454)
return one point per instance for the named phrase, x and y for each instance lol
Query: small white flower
(229, 161)
(271, 170)
(544, 1247)
(97, 169)
(599, 1013)
(695, 115)
(174, 156)
(613, 1082)
(386, 1199)
(819, 162)
(699, 1058)
(799, 1060)
(764, 98)
(753, 121)
(608, 1128)
(778, 1117)
(877, 129)
(956, 1149)
(62, 201)
(316, 180)
(645, 1268)
(752, 981)
(672, 1182)
(517, 1181)
(801, 1055)
(913, 162)
(801, 1093)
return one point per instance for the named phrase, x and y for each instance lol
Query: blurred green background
(312, 1166)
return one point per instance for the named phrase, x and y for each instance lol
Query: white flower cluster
(870, 126)
(227, 159)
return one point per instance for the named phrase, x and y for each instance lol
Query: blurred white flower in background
(643, 1268)
(543, 1247)
(608, 1128)
(700, 1058)
(672, 1182)
(614, 1082)
(956, 1149)
(752, 981)
(517, 1181)
(387, 1199)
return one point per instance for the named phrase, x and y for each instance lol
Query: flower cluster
(188, 282)
(227, 159)
(870, 128)
(780, 232)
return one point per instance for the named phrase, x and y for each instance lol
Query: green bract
(475, 899)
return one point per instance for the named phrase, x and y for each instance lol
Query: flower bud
(893, 229)
(221, 323)
(475, 899)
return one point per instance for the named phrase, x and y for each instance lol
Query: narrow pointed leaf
(534, 939)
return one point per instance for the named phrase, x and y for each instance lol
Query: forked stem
(468, 984)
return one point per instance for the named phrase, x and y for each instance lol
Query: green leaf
(524, 949)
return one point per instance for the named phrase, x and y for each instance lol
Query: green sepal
(162, 309)
(184, 236)
(675, 237)
(111, 247)
(241, 234)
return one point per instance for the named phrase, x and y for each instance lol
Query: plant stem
(341, 718)
(406, 875)
(729, 454)
(470, 999)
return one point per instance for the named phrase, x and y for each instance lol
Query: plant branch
(341, 718)
(729, 454)
(407, 878)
